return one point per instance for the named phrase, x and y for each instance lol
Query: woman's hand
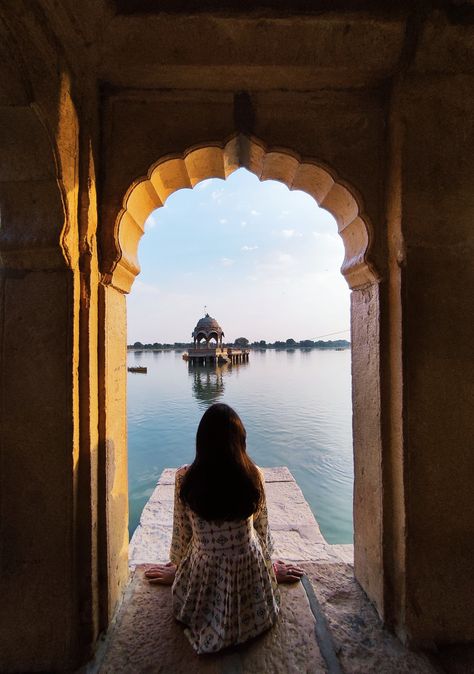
(287, 573)
(162, 574)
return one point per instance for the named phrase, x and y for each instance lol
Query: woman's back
(225, 590)
(221, 538)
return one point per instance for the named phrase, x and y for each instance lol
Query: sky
(261, 259)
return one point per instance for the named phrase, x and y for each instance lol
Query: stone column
(45, 618)
(437, 209)
(113, 446)
(368, 490)
(39, 399)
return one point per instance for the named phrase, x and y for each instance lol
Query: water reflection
(207, 382)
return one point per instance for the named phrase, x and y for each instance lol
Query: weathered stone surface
(295, 530)
(146, 639)
(37, 428)
(360, 640)
(277, 474)
(344, 552)
(113, 381)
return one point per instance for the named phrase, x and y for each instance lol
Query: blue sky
(264, 260)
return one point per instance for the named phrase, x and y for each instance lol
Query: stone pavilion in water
(207, 346)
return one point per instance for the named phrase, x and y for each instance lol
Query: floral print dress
(225, 590)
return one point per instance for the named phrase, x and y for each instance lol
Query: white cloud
(226, 262)
(223, 221)
(327, 236)
(276, 263)
(254, 212)
(283, 215)
(284, 259)
(290, 233)
(248, 248)
(217, 195)
(243, 223)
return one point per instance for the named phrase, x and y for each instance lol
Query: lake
(295, 405)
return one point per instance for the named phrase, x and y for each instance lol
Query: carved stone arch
(120, 263)
(120, 266)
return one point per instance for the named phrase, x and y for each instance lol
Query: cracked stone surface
(361, 642)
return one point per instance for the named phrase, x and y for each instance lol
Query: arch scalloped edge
(219, 160)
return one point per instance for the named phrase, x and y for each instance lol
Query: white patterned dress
(225, 590)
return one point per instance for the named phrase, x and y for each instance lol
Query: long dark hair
(222, 483)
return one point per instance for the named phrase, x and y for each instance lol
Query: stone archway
(120, 266)
(147, 193)
(87, 104)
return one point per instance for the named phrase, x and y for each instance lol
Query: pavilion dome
(207, 326)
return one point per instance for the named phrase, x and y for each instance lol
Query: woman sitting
(224, 583)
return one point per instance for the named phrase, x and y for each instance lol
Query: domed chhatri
(207, 328)
(208, 348)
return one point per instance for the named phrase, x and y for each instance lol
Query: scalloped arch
(218, 161)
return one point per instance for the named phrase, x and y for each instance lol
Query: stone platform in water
(326, 623)
(295, 531)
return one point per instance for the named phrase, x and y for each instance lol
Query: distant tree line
(243, 342)
(158, 346)
(302, 344)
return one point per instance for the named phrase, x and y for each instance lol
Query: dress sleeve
(182, 531)
(260, 523)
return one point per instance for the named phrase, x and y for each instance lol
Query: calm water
(296, 407)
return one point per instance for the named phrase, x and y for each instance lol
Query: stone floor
(326, 622)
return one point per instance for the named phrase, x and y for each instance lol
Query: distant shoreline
(340, 344)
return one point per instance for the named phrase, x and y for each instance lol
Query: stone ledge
(295, 530)
(146, 639)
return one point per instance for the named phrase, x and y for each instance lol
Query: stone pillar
(45, 618)
(39, 393)
(438, 336)
(368, 512)
(113, 447)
